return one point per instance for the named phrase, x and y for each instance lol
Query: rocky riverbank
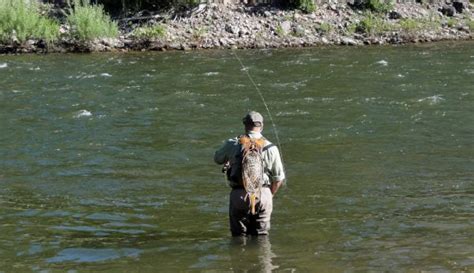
(216, 26)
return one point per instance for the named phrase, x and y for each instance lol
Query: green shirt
(273, 166)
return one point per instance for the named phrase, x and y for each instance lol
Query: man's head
(253, 121)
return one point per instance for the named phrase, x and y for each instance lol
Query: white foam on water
(432, 99)
(382, 62)
(82, 113)
(327, 100)
(469, 71)
(107, 75)
(211, 73)
(298, 112)
(3, 65)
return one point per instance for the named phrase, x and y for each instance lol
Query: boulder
(394, 15)
(447, 10)
(286, 27)
(460, 5)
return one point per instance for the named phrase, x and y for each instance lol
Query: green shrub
(452, 22)
(89, 22)
(351, 28)
(307, 6)
(470, 24)
(150, 32)
(380, 6)
(279, 31)
(325, 27)
(22, 19)
(409, 25)
(372, 24)
(199, 33)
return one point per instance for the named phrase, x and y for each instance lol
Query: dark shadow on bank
(252, 254)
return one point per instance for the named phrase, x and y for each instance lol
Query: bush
(470, 24)
(150, 32)
(372, 24)
(89, 22)
(409, 25)
(381, 6)
(307, 6)
(22, 20)
(325, 28)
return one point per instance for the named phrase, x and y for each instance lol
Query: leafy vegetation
(409, 25)
(307, 6)
(150, 32)
(325, 28)
(89, 22)
(470, 24)
(199, 33)
(279, 31)
(21, 20)
(372, 24)
(380, 6)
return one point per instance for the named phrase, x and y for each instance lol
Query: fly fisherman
(245, 218)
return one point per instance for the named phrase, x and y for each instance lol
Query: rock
(460, 5)
(267, 14)
(232, 29)
(394, 15)
(348, 41)
(447, 10)
(299, 30)
(286, 27)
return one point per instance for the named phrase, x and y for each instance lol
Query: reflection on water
(252, 254)
(106, 160)
(83, 255)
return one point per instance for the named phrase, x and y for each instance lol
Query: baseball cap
(254, 118)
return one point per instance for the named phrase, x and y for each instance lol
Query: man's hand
(275, 186)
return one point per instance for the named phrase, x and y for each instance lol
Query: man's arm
(277, 171)
(275, 186)
(221, 156)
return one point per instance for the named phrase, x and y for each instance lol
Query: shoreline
(241, 27)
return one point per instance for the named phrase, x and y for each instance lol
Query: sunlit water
(106, 160)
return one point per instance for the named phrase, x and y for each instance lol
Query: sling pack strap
(268, 147)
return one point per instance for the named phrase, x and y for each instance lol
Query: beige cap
(254, 118)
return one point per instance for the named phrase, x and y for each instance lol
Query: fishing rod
(275, 131)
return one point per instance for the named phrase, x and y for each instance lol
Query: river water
(106, 160)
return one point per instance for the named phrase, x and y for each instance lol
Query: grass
(279, 31)
(21, 20)
(150, 32)
(325, 27)
(199, 33)
(470, 24)
(89, 22)
(452, 22)
(410, 25)
(307, 6)
(380, 6)
(372, 24)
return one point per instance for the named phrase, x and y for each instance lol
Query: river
(106, 160)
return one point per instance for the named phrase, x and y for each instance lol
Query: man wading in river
(255, 173)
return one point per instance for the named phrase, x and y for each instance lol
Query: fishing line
(275, 131)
